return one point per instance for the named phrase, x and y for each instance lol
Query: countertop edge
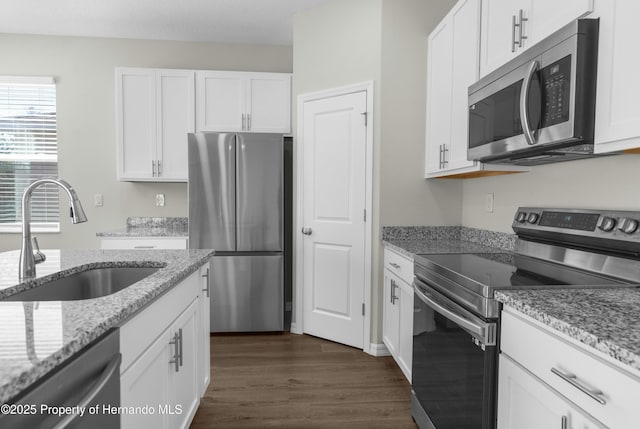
(588, 339)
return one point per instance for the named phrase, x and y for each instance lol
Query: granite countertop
(38, 336)
(414, 240)
(411, 248)
(573, 312)
(607, 320)
(151, 227)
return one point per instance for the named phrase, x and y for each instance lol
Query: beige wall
(350, 41)
(609, 182)
(84, 73)
(405, 197)
(334, 45)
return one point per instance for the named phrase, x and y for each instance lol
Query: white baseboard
(378, 349)
(294, 329)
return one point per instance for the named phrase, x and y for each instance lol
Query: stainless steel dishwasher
(89, 381)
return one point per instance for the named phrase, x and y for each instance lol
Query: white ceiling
(222, 21)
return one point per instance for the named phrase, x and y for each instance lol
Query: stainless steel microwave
(539, 107)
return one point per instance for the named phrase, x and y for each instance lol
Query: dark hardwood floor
(299, 381)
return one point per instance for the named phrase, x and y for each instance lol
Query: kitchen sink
(93, 283)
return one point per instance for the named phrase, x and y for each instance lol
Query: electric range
(455, 347)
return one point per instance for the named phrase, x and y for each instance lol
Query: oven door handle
(524, 101)
(485, 332)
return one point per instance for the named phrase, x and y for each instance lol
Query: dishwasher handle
(479, 329)
(105, 376)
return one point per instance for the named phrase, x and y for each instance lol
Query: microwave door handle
(524, 101)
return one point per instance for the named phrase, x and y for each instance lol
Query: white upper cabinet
(617, 124)
(243, 101)
(221, 101)
(509, 27)
(154, 112)
(452, 66)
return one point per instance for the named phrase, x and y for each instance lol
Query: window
(28, 151)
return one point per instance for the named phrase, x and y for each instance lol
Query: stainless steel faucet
(28, 260)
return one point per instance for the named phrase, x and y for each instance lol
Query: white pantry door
(334, 198)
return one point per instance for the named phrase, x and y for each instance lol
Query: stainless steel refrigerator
(236, 207)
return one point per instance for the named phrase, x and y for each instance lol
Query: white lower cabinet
(163, 373)
(524, 402)
(549, 380)
(204, 331)
(397, 332)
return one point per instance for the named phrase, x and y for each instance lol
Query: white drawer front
(399, 264)
(559, 363)
(144, 243)
(140, 331)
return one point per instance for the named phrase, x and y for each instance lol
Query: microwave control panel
(555, 82)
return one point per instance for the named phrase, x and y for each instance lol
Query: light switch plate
(97, 200)
(489, 203)
(160, 200)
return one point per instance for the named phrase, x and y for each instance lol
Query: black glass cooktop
(509, 271)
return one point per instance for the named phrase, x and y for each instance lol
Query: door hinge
(363, 308)
(365, 215)
(366, 115)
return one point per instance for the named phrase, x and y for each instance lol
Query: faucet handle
(38, 257)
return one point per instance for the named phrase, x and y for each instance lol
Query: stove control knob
(533, 217)
(607, 224)
(521, 217)
(627, 225)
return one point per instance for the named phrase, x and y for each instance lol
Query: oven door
(454, 364)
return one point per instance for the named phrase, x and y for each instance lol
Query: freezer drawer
(247, 293)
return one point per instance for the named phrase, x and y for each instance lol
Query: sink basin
(88, 284)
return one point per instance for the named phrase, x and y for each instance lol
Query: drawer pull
(394, 265)
(144, 247)
(573, 380)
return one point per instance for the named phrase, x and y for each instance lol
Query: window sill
(16, 228)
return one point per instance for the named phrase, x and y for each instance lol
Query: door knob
(306, 231)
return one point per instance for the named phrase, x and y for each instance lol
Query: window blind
(28, 151)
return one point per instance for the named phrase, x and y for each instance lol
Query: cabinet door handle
(176, 355)
(440, 156)
(159, 168)
(513, 33)
(518, 23)
(572, 379)
(244, 122)
(153, 168)
(206, 289)
(563, 423)
(248, 121)
(521, 35)
(180, 347)
(394, 265)
(444, 155)
(394, 286)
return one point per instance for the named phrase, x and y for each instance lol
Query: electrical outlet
(489, 203)
(160, 200)
(97, 200)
